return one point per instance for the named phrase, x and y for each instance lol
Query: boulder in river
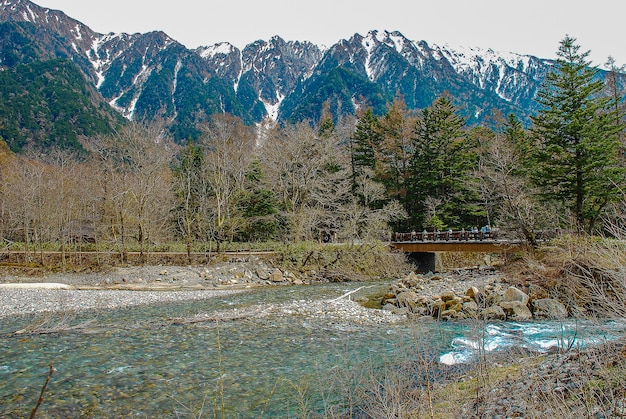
(407, 299)
(549, 308)
(470, 309)
(495, 313)
(277, 276)
(513, 294)
(475, 294)
(516, 310)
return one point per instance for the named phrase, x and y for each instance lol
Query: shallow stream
(137, 362)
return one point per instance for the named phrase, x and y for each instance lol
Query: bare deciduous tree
(228, 147)
(365, 217)
(308, 177)
(507, 192)
(135, 183)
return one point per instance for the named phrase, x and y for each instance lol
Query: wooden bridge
(455, 241)
(423, 247)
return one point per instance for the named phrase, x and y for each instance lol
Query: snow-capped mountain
(267, 69)
(152, 75)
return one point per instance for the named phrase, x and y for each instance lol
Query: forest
(349, 180)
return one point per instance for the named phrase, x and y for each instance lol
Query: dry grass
(581, 384)
(588, 274)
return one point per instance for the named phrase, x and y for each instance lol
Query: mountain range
(151, 75)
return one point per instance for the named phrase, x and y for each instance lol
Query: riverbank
(118, 287)
(115, 288)
(26, 301)
(486, 388)
(149, 285)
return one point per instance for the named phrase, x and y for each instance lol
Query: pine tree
(393, 155)
(575, 156)
(364, 143)
(258, 206)
(443, 159)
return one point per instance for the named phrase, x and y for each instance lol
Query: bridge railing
(449, 235)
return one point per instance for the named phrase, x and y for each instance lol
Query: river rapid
(274, 352)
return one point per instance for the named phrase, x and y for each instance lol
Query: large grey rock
(495, 313)
(412, 279)
(277, 276)
(549, 308)
(515, 310)
(470, 307)
(407, 299)
(476, 295)
(263, 274)
(513, 294)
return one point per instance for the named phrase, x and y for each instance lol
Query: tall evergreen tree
(364, 147)
(364, 142)
(258, 206)
(443, 159)
(575, 156)
(393, 156)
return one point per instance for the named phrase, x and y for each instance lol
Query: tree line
(356, 178)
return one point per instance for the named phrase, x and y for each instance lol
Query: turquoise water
(136, 362)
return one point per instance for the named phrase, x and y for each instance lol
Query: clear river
(136, 362)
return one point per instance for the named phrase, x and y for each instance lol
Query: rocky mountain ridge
(152, 75)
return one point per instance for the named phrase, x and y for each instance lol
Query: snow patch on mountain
(222, 48)
(33, 16)
(101, 60)
(179, 65)
(369, 44)
(488, 68)
(272, 108)
(130, 111)
(77, 32)
(143, 75)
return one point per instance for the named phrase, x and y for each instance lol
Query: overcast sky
(528, 27)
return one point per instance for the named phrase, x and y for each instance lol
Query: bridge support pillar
(426, 261)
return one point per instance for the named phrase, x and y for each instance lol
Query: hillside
(49, 103)
(151, 75)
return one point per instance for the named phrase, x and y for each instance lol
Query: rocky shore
(19, 301)
(470, 293)
(145, 285)
(231, 274)
(522, 387)
(460, 294)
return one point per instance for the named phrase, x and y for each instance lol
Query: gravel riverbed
(15, 301)
(146, 285)
(120, 287)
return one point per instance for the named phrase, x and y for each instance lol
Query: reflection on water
(135, 362)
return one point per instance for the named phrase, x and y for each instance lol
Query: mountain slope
(153, 76)
(49, 103)
(419, 73)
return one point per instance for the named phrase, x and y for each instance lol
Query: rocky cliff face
(151, 75)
